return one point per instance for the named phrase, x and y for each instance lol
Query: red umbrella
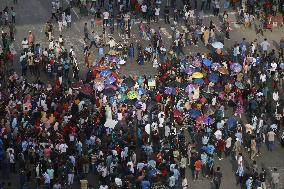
(177, 113)
(86, 89)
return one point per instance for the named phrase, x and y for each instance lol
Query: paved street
(32, 14)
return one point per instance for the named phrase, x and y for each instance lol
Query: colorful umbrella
(213, 77)
(207, 62)
(132, 95)
(140, 91)
(189, 70)
(194, 113)
(177, 113)
(198, 81)
(110, 81)
(217, 45)
(169, 91)
(208, 121)
(197, 75)
(99, 86)
(113, 59)
(236, 67)
(86, 89)
(105, 73)
(232, 122)
(215, 66)
(189, 88)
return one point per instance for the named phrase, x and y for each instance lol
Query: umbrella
(86, 89)
(189, 70)
(177, 113)
(236, 67)
(132, 95)
(129, 82)
(217, 45)
(189, 88)
(207, 62)
(109, 92)
(208, 121)
(110, 80)
(239, 85)
(140, 91)
(169, 91)
(110, 123)
(223, 70)
(105, 73)
(194, 113)
(216, 66)
(99, 86)
(113, 59)
(197, 75)
(232, 122)
(198, 81)
(213, 77)
(152, 163)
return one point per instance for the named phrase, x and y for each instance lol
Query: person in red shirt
(197, 168)
(220, 148)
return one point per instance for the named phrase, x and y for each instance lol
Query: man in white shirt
(265, 46)
(157, 14)
(144, 10)
(106, 17)
(25, 45)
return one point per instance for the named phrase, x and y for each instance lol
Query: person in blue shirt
(204, 160)
(145, 184)
(249, 183)
(210, 149)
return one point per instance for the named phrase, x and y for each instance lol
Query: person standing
(270, 140)
(253, 149)
(264, 47)
(86, 32)
(275, 177)
(13, 15)
(262, 178)
(217, 177)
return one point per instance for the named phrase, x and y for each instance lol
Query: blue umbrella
(194, 113)
(236, 67)
(216, 66)
(232, 122)
(208, 121)
(169, 91)
(213, 77)
(198, 81)
(207, 62)
(140, 91)
(110, 80)
(105, 73)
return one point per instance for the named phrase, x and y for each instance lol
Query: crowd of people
(139, 131)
